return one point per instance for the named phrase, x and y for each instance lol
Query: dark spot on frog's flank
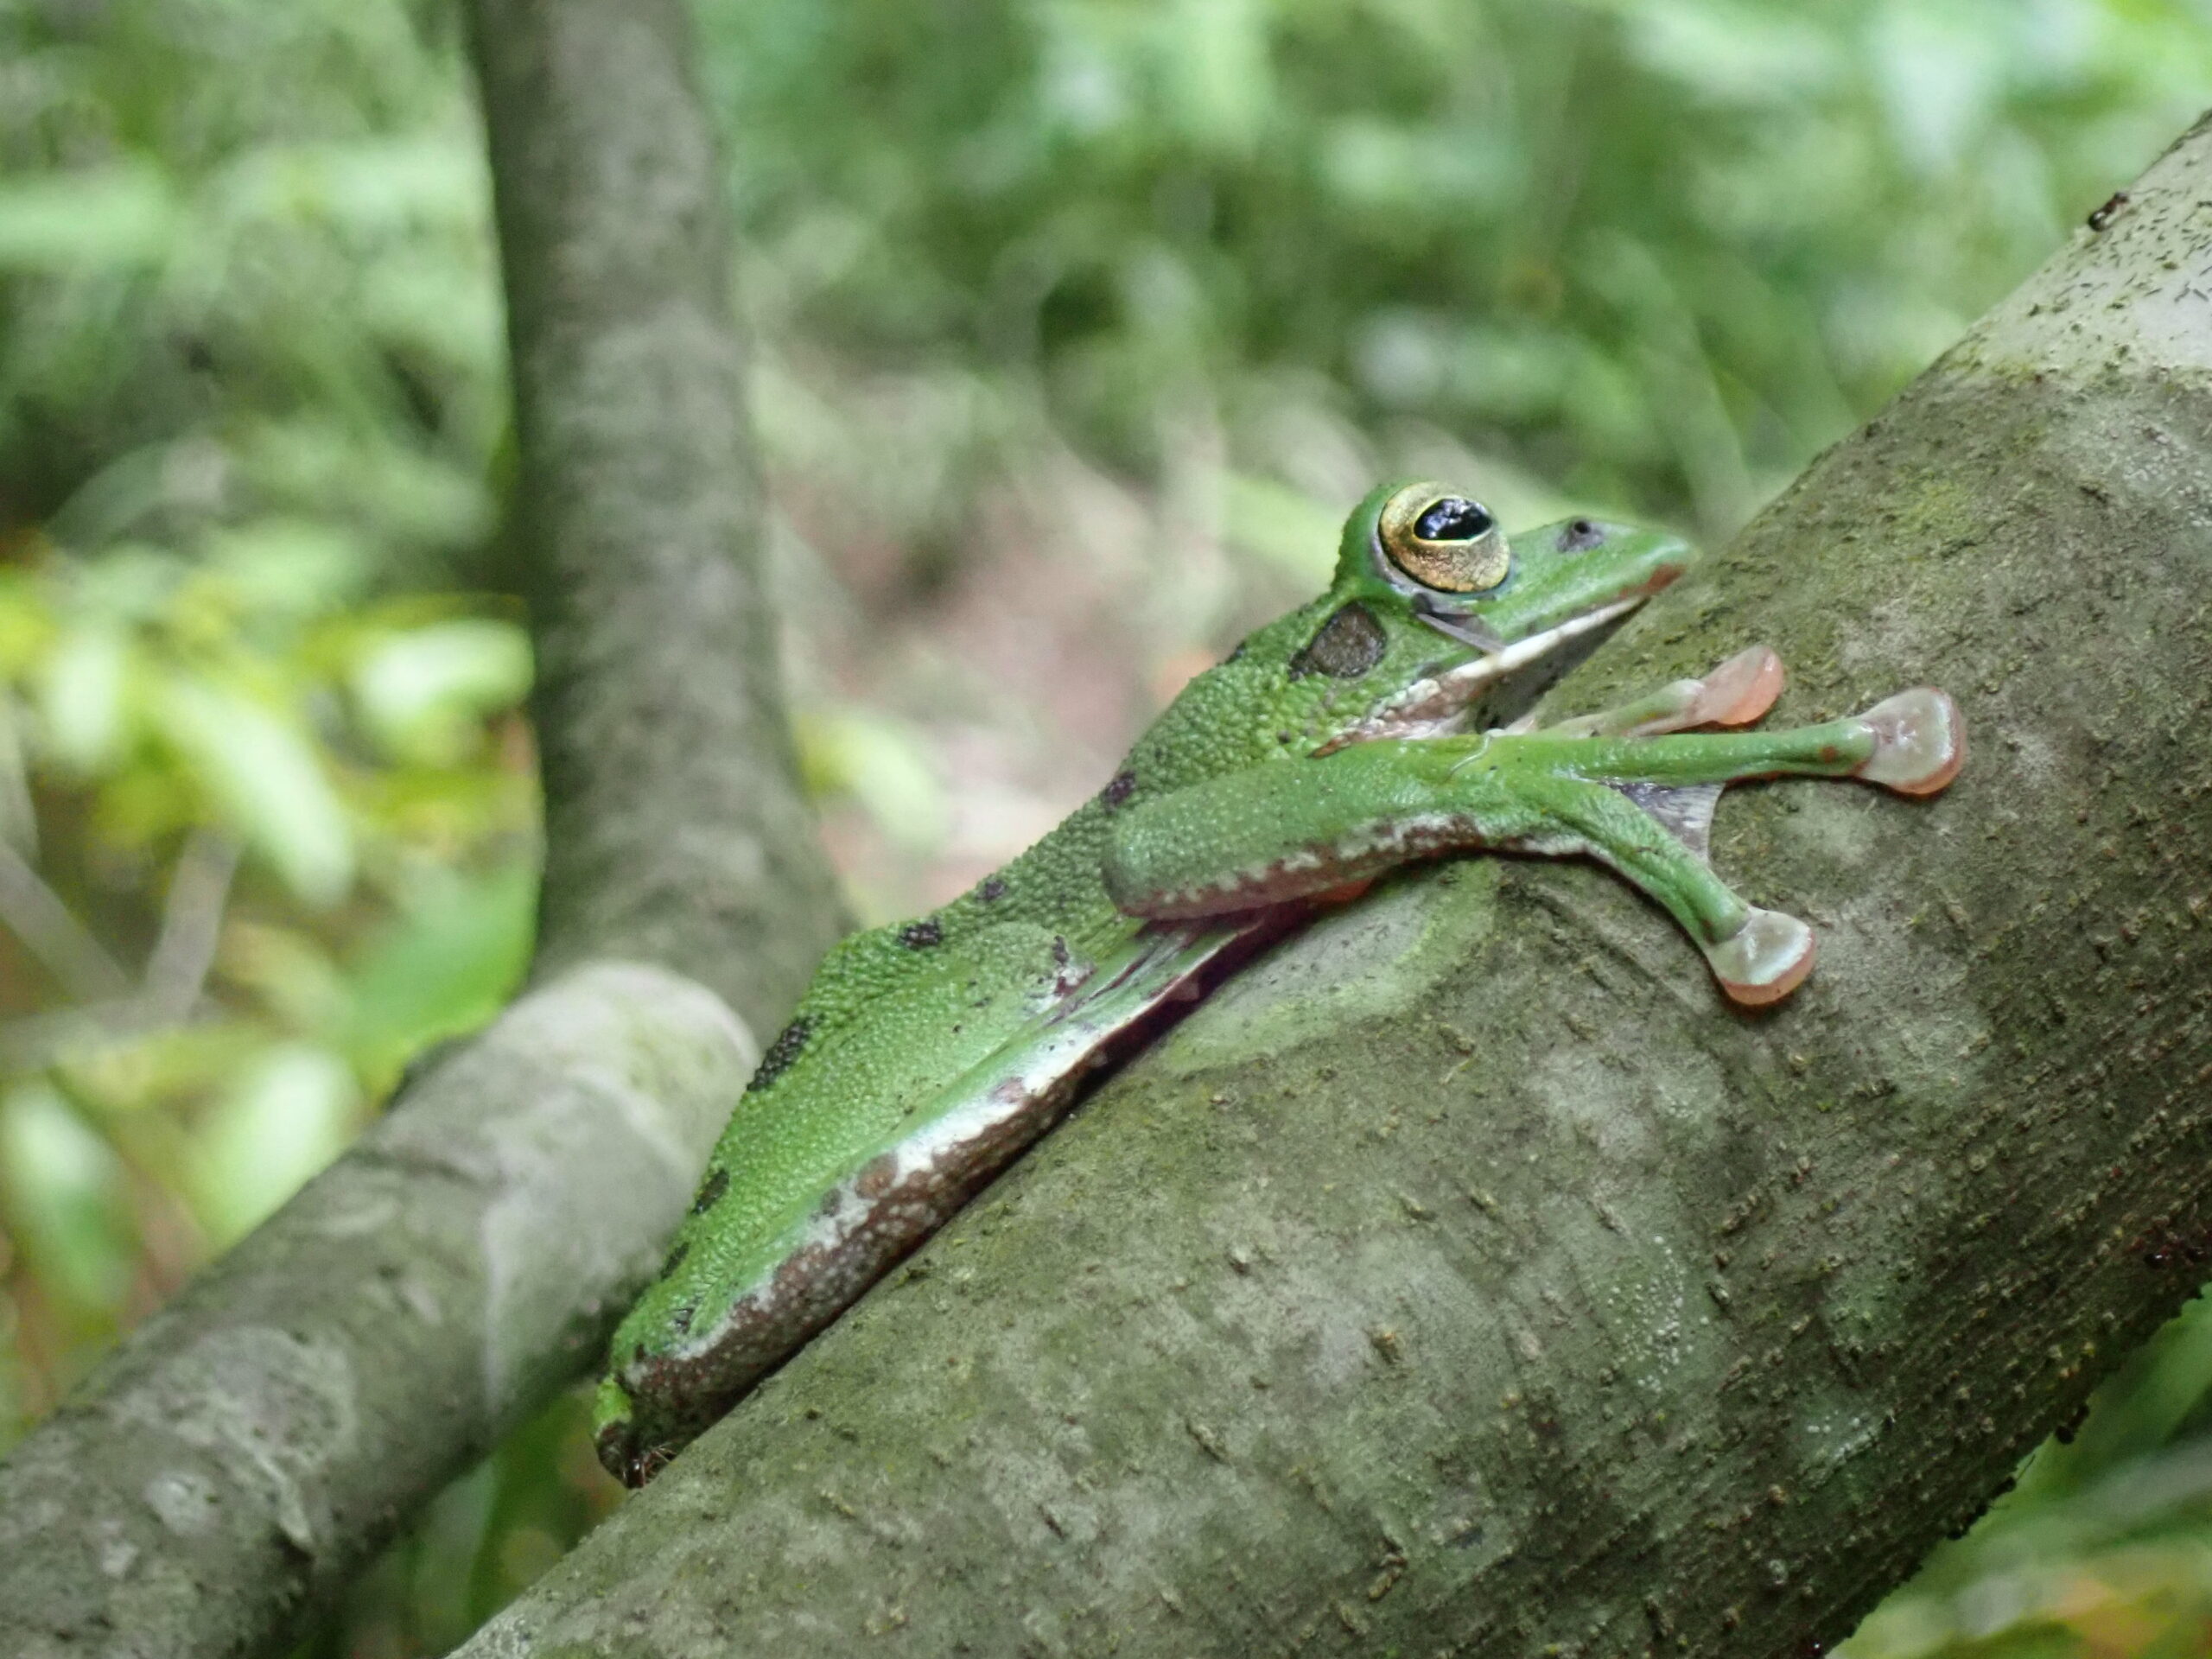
(781, 1053)
(1349, 644)
(1123, 786)
(993, 888)
(1579, 536)
(675, 1259)
(710, 1191)
(920, 936)
(2104, 215)
(680, 1318)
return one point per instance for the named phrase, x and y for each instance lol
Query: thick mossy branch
(1466, 1277)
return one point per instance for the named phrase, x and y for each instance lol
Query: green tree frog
(1384, 722)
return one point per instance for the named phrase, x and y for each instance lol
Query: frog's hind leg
(1758, 956)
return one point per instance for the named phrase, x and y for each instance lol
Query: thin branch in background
(176, 967)
(192, 923)
(18, 817)
(36, 914)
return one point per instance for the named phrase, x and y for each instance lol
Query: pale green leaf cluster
(267, 821)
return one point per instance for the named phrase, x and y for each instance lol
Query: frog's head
(1429, 590)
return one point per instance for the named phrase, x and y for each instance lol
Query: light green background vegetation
(1082, 320)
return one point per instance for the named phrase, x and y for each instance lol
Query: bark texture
(1466, 1277)
(251, 1445)
(247, 1450)
(659, 701)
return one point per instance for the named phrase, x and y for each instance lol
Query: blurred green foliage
(1080, 321)
(1654, 253)
(266, 811)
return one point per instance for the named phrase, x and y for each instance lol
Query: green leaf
(81, 697)
(65, 1192)
(291, 1113)
(290, 568)
(263, 776)
(444, 966)
(881, 764)
(95, 218)
(422, 692)
(1288, 529)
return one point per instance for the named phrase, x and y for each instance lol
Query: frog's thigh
(1282, 832)
(1758, 956)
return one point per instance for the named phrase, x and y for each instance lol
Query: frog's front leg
(1913, 744)
(1736, 693)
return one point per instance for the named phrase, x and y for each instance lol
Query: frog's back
(924, 1055)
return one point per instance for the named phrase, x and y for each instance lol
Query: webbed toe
(1738, 691)
(1919, 742)
(1762, 961)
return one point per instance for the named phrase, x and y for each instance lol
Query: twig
(177, 969)
(36, 914)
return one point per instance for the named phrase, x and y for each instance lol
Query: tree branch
(1466, 1277)
(248, 1446)
(247, 1450)
(36, 914)
(659, 701)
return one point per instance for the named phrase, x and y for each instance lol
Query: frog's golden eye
(1448, 544)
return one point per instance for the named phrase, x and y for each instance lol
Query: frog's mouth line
(1437, 706)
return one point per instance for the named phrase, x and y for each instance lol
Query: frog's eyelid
(1467, 629)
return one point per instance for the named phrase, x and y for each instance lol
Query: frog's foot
(1764, 960)
(1919, 742)
(1738, 691)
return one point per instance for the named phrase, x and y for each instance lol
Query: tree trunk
(246, 1451)
(1466, 1277)
(659, 698)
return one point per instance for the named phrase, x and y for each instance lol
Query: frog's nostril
(1580, 535)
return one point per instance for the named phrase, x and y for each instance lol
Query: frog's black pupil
(1454, 519)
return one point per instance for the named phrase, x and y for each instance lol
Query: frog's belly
(865, 1222)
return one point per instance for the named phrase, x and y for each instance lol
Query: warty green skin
(1330, 746)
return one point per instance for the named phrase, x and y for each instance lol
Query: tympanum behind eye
(1345, 647)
